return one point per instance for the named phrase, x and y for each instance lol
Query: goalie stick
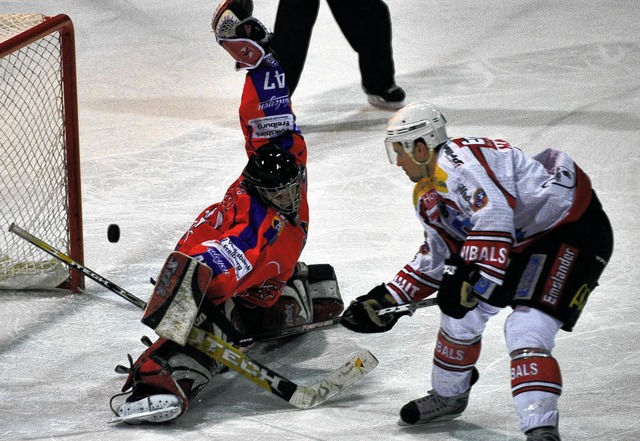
(302, 397)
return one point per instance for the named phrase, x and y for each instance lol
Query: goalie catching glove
(243, 36)
(461, 286)
(362, 314)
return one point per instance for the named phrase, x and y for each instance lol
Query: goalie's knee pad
(311, 295)
(168, 368)
(293, 307)
(325, 293)
(323, 290)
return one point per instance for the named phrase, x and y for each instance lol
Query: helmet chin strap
(424, 164)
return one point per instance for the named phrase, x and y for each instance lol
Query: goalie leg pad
(177, 296)
(326, 299)
(323, 289)
(293, 307)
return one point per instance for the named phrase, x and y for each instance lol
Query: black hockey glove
(455, 296)
(361, 314)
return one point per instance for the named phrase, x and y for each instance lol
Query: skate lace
(434, 403)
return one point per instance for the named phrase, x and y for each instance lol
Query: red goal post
(39, 151)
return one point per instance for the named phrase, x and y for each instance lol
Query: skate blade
(151, 416)
(434, 421)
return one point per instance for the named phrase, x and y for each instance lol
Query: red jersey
(251, 247)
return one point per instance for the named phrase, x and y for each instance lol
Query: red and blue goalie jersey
(250, 246)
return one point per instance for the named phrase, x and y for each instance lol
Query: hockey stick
(302, 397)
(75, 265)
(294, 330)
(299, 396)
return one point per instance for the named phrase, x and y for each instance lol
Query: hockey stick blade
(227, 354)
(294, 330)
(302, 397)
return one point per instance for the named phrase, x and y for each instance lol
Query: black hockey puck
(113, 233)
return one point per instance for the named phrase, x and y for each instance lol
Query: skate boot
(151, 409)
(162, 382)
(433, 408)
(391, 98)
(546, 433)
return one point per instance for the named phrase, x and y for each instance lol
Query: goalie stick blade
(302, 397)
(361, 364)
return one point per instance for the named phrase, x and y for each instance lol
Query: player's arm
(417, 280)
(480, 266)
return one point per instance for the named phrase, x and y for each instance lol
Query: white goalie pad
(177, 296)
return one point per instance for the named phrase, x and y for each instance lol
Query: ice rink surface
(160, 141)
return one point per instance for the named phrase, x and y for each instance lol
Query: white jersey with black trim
(485, 199)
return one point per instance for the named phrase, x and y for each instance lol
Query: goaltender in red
(251, 240)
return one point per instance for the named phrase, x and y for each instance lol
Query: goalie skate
(152, 409)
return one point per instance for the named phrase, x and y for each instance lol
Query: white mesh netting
(33, 175)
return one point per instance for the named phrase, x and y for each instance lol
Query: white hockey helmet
(417, 120)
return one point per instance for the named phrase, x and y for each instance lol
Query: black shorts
(557, 273)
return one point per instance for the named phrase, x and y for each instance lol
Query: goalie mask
(418, 121)
(275, 176)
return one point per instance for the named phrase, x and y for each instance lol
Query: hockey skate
(152, 409)
(433, 408)
(546, 433)
(162, 382)
(391, 98)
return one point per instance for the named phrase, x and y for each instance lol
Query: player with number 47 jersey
(235, 272)
(502, 229)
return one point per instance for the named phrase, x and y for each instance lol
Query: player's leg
(366, 24)
(291, 36)
(536, 381)
(453, 373)
(560, 272)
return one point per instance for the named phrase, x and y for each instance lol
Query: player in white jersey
(502, 229)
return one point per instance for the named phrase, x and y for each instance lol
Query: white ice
(160, 141)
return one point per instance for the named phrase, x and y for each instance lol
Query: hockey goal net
(39, 160)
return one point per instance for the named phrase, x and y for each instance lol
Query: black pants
(365, 23)
(557, 273)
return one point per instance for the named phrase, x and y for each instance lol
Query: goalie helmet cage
(39, 151)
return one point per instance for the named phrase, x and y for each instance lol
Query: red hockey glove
(455, 296)
(361, 315)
